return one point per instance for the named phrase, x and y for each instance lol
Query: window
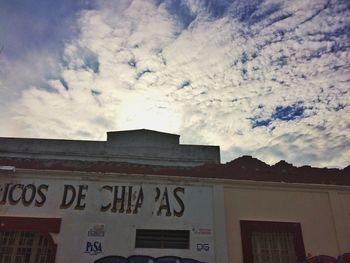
(151, 238)
(27, 240)
(271, 242)
(24, 247)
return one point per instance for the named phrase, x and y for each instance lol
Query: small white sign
(94, 244)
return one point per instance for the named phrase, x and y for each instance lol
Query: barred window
(271, 242)
(273, 247)
(24, 247)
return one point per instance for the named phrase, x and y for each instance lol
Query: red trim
(48, 225)
(248, 227)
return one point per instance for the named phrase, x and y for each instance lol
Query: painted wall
(212, 210)
(190, 207)
(322, 212)
(343, 230)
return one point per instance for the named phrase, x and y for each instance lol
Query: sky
(267, 78)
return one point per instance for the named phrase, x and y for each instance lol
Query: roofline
(148, 130)
(88, 140)
(235, 170)
(151, 178)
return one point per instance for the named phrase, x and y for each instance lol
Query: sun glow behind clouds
(140, 112)
(259, 77)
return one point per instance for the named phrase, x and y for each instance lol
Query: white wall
(120, 228)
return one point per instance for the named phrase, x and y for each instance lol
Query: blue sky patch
(91, 63)
(38, 24)
(185, 84)
(288, 113)
(339, 107)
(132, 63)
(95, 92)
(64, 84)
(143, 72)
(263, 13)
(180, 11)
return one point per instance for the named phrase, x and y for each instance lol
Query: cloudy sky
(267, 78)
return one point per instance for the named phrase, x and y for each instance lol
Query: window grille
(271, 242)
(24, 247)
(273, 247)
(151, 238)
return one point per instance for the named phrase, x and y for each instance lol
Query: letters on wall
(124, 199)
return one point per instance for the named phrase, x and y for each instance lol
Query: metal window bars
(24, 247)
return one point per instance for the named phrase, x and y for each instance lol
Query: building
(141, 196)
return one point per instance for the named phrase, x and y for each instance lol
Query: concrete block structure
(135, 146)
(142, 197)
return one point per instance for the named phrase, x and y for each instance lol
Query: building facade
(141, 196)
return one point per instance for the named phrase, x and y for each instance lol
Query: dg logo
(202, 246)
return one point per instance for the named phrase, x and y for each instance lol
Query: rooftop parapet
(134, 146)
(139, 138)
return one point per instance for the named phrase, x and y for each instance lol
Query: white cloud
(135, 65)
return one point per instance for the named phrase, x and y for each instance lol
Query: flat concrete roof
(131, 146)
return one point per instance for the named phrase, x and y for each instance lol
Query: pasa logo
(93, 248)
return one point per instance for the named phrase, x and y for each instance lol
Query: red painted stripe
(37, 224)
